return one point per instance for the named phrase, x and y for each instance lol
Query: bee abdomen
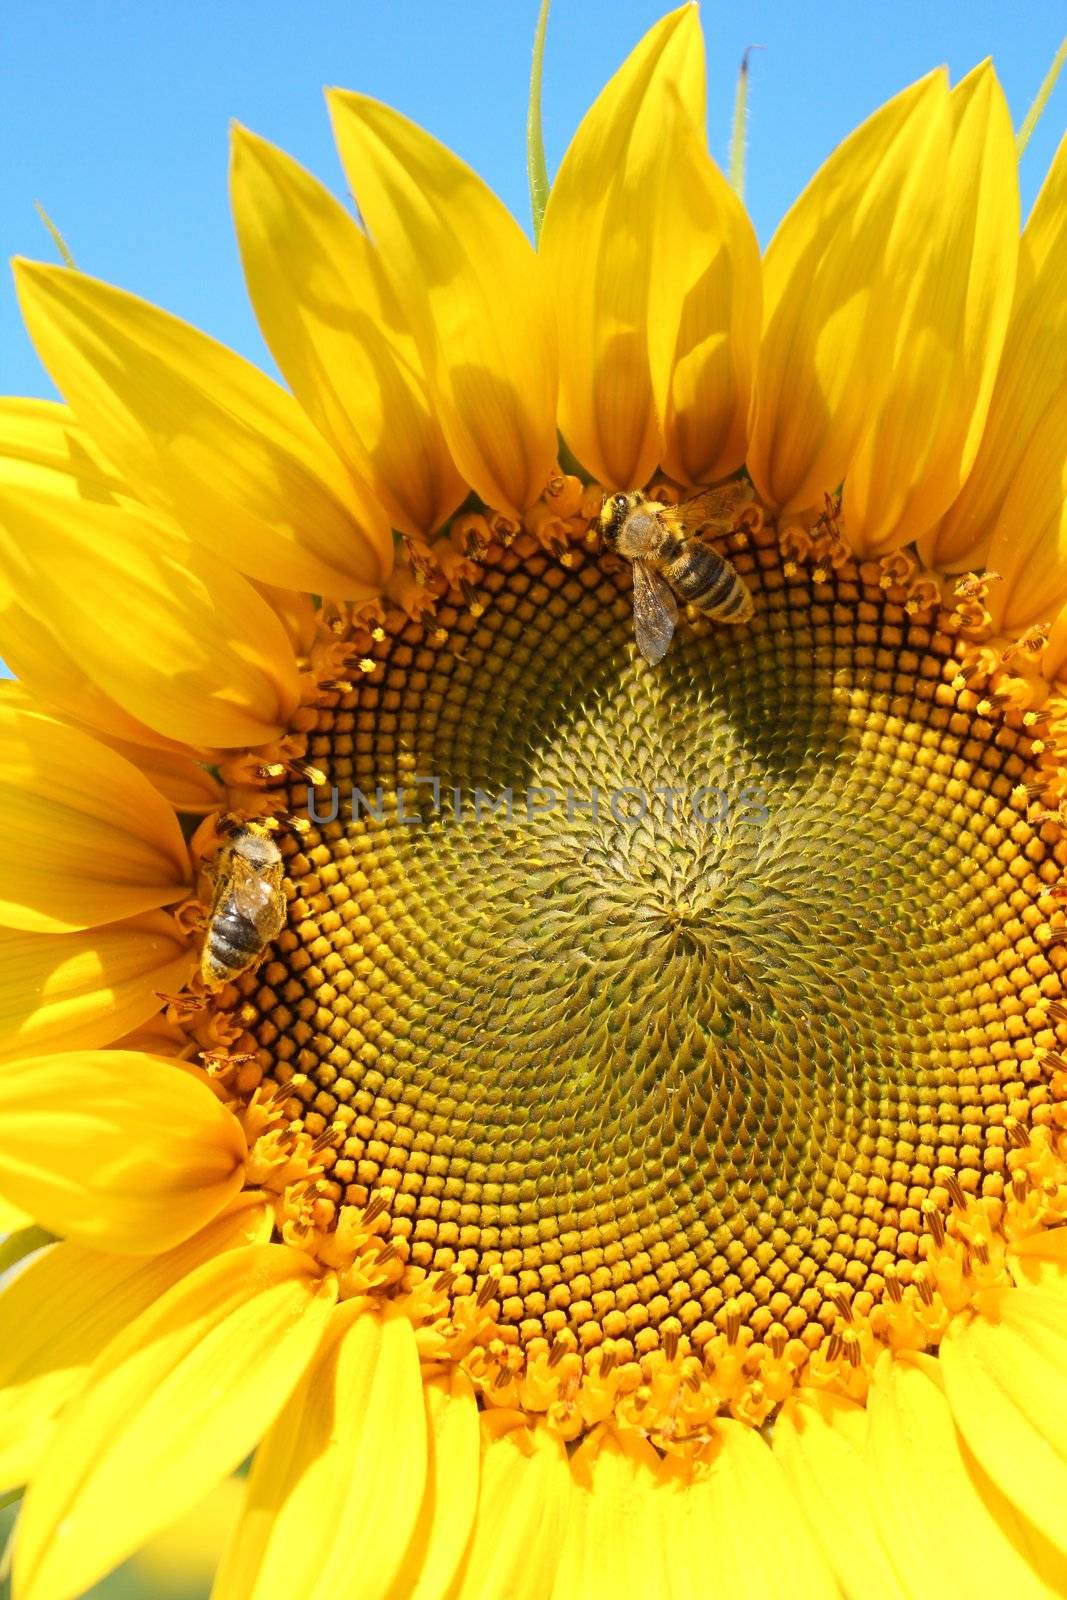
(707, 581)
(232, 941)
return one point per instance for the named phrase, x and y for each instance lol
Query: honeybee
(247, 906)
(667, 562)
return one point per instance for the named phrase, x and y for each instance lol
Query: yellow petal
(68, 1303)
(171, 1406)
(446, 1516)
(296, 612)
(12, 1218)
(831, 295)
(204, 435)
(950, 1529)
(27, 1241)
(87, 838)
(737, 1516)
(180, 779)
(820, 1440)
(1029, 546)
(50, 675)
(522, 1506)
(598, 249)
(1006, 1380)
(336, 333)
(169, 631)
(467, 282)
(337, 1482)
(1054, 656)
(1031, 377)
(43, 446)
(65, 991)
(704, 317)
(181, 1561)
(921, 441)
(1040, 1261)
(615, 1541)
(157, 1037)
(115, 1148)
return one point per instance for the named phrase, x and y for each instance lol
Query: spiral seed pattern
(702, 1049)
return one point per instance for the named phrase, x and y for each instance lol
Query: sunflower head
(624, 1101)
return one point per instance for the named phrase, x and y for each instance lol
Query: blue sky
(116, 111)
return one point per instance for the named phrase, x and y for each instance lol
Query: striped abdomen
(233, 941)
(706, 581)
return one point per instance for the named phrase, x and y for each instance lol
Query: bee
(247, 906)
(668, 562)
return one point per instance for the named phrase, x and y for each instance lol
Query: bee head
(612, 516)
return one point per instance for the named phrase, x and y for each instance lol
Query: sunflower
(637, 1164)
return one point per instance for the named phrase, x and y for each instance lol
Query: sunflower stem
(1033, 116)
(737, 136)
(535, 143)
(57, 238)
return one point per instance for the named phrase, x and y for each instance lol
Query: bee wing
(655, 612)
(711, 506)
(255, 897)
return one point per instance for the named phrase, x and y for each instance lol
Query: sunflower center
(667, 996)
